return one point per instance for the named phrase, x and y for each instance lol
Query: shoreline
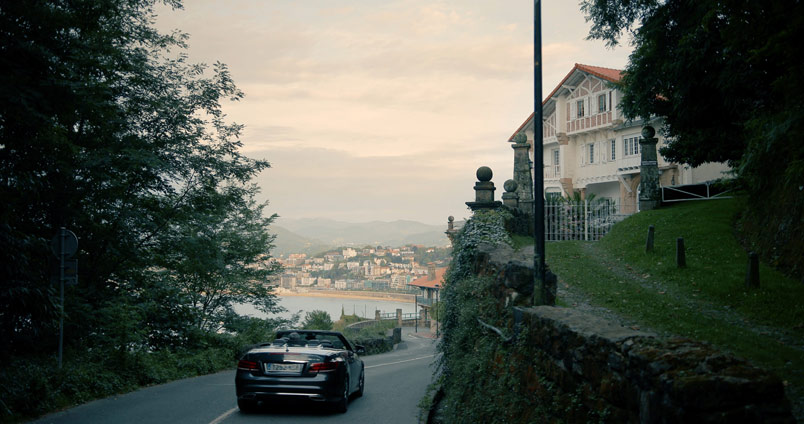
(390, 297)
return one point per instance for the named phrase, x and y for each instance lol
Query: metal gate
(586, 220)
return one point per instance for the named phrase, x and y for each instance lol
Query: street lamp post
(538, 158)
(438, 324)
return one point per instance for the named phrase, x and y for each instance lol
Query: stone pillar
(522, 174)
(451, 229)
(510, 197)
(399, 317)
(484, 191)
(649, 191)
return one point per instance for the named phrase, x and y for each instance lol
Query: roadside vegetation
(33, 385)
(108, 130)
(375, 337)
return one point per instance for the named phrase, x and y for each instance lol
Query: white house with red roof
(429, 287)
(590, 147)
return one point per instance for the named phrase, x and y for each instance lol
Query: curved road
(395, 382)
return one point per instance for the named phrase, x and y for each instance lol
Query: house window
(592, 153)
(613, 149)
(630, 146)
(601, 103)
(579, 108)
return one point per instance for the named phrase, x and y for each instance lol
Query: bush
(374, 337)
(317, 320)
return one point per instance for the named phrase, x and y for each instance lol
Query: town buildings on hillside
(373, 269)
(590, 147)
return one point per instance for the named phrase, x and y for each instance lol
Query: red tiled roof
(426, 282)
(608, 74)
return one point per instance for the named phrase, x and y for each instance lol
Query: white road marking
(223, 417)
(399, 362)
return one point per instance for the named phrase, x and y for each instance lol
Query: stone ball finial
(520, 138)
(484, 174)
(451, 218)
(510, 186)
(648, 132)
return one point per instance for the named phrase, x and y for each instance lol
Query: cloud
(382, 109)
(323, 182)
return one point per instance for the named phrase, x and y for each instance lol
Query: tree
(106, 129)
(218, 255)
(726, 76)
(317, 320)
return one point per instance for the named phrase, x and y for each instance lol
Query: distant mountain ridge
(302, 235)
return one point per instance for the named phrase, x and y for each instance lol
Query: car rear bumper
(326, 387)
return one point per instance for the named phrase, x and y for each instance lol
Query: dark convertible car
(310, 364)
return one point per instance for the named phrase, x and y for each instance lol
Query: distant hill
(288, 242)
(324, 233)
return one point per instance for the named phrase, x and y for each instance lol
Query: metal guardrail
(392, 315)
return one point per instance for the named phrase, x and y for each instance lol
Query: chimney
(431, 274)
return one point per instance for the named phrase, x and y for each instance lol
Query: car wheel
(247, 406)
(362, 384)
(342, 404)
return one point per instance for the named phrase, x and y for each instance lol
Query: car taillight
(247, 365)
(324, 366)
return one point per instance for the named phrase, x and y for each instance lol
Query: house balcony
(587, 123)
(423, 301)
(629, 164)
(552, 172)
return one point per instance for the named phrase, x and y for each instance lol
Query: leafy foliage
(726, 78)
(30, 386)
(478, 390)
(106, 129)
(317, 320)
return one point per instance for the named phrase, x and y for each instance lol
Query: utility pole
(539, 295)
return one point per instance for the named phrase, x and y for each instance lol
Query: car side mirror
(360, 350)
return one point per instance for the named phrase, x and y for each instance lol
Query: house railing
(552, 171)
(421, 300)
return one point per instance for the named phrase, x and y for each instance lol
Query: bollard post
(649, 242)
(752, 275)
(681, 257)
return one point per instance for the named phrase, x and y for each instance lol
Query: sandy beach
(396, 297)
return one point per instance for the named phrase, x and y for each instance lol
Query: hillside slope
(707, 300)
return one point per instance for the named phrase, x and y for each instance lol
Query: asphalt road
(395, 382)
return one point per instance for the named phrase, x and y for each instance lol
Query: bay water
(331, 305)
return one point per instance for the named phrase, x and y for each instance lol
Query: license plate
(279, 367)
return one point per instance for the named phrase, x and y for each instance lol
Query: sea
(331, 305)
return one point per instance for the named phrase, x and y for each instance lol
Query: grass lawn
(707, 300)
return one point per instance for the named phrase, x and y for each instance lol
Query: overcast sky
(383, 109)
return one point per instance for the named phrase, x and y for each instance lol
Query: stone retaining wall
(586, 366)
(630, 376)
